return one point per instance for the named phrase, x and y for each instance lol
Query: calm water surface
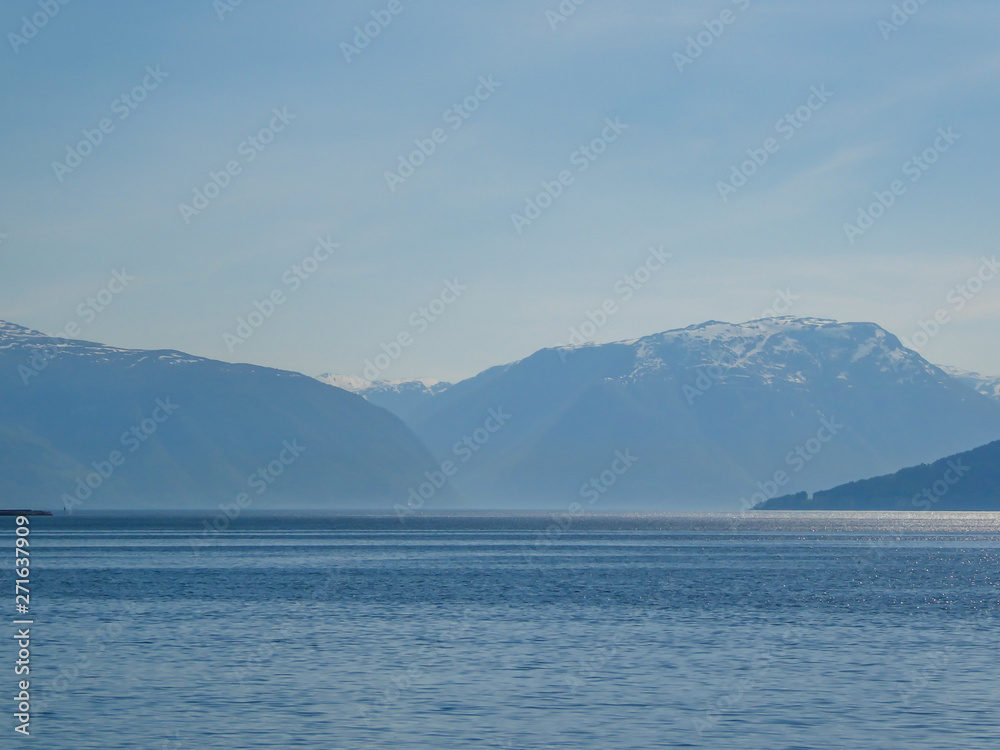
(640, 631)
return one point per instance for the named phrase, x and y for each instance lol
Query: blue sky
(348, 123)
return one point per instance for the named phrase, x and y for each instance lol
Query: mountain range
(91, 427)
(718, 416)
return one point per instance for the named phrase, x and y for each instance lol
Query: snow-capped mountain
(988, 385)
(350, 383)
(125, 428)
(712, 413)
(400, 397)
(715, 416)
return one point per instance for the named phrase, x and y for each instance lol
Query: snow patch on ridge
(361, 385)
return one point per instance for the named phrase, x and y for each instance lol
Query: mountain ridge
(709, 415)
(72, 411)
(397, 396)
(988, 385)
(714, 408)
(967, 481)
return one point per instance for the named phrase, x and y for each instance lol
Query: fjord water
(778, 630)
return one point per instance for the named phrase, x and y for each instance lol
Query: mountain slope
(713, 413)
(189, 431)
(988, 385)
(967, 481)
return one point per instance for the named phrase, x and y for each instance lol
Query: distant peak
(357, 384)
(753, 328)
(12, 329)
(792, 319)
(347, 382)
(774, 320)
(706, 324)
